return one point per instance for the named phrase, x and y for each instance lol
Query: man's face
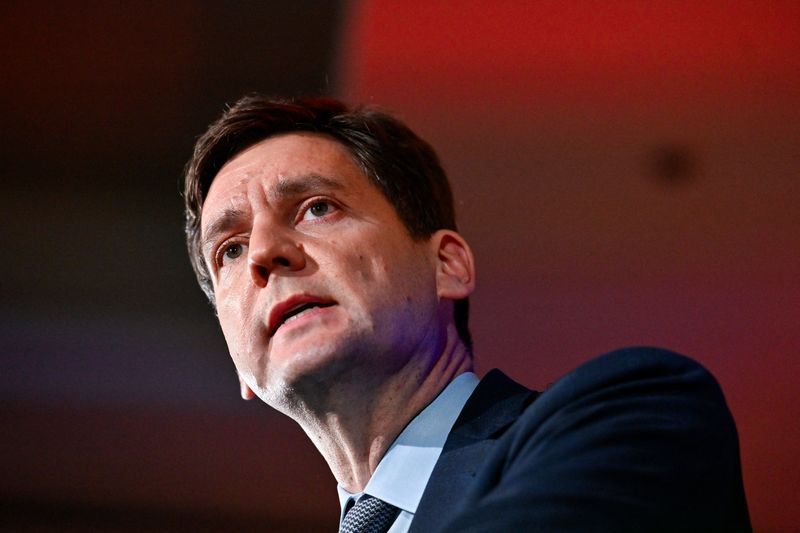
(316, 279)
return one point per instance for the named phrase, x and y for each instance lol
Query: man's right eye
(231, 252)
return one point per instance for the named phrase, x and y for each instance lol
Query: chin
(297, 377)
(306, 379)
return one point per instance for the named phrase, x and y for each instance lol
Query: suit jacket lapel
(496, 403)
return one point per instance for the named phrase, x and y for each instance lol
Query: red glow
(462, 51)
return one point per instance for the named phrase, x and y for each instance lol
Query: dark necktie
(369, 515)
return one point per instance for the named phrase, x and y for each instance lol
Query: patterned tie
(369, 515)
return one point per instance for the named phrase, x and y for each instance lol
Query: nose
(273, 249)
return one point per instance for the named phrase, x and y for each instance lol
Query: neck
(355, 428)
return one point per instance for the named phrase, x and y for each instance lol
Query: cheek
(402, 278)
(358, 271)
(378, 271)
(370, 268)
(245, 337)
(227, 319)
(234, 318)
(231, 329)
(378, 276)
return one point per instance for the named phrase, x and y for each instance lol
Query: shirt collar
(404, 470)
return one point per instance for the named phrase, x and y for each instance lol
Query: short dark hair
(405, 168)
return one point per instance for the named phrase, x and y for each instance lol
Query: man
(326, 239)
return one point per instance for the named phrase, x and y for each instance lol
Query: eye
(318, 209)
(231, 252)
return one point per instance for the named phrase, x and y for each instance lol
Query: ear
(455, 265)
(246, 391)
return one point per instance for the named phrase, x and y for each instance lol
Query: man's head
(264, 157)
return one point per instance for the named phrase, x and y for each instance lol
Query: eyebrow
(229, 219)
(288, 187)
(285, 188)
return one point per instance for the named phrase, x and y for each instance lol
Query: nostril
(259, 272)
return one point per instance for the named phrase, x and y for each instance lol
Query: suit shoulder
(636, 370)
(641, 361)
(641, 437)
(655, 401)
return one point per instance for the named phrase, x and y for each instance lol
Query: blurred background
(626, 172)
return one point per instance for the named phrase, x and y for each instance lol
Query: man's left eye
(317, 210)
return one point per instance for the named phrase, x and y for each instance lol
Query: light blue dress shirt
(403, 473)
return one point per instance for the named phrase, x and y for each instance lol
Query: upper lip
(279, 312)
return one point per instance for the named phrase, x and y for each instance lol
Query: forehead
(272, 165)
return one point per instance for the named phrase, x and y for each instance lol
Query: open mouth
(298, 310)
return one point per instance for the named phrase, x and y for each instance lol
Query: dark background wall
(626, 173)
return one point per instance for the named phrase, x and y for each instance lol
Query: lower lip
(303, 318)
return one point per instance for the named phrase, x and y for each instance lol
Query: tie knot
(369, 515)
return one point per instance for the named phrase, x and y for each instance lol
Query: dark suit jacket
(637, 440)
